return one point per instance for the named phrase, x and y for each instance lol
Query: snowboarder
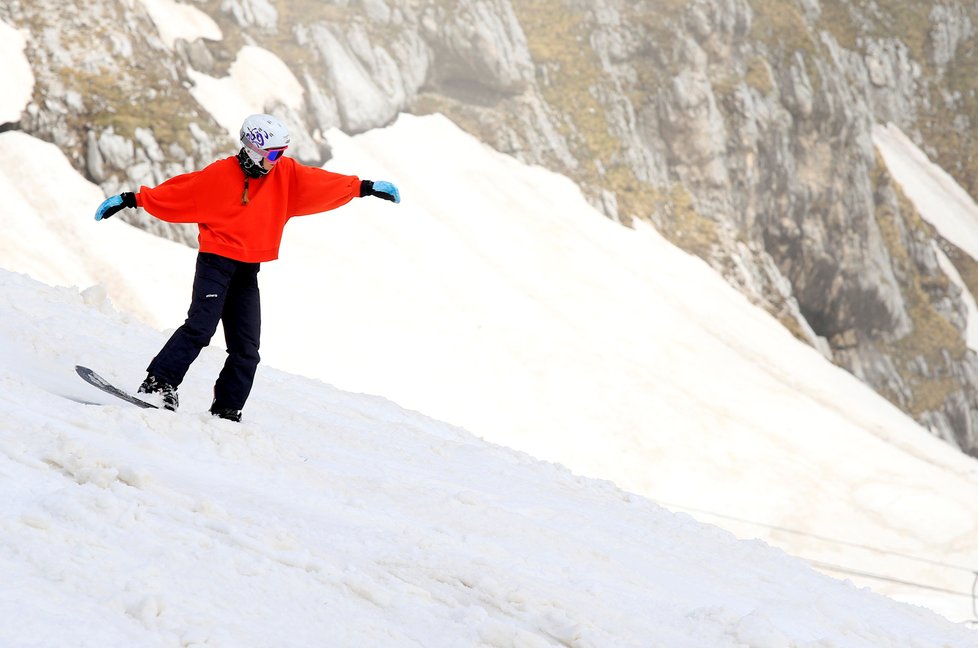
(241, 205)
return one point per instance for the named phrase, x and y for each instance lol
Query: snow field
(331, 518)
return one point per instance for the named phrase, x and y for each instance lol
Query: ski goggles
(272, 155)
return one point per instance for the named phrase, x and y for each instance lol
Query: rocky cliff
(741, 128)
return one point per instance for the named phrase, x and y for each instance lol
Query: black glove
(113, 204)
(381, 189)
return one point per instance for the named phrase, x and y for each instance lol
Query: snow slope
(935, 194)
(529, 319)
(495, 298)
(335, 519)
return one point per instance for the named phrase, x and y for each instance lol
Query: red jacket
(252, 232)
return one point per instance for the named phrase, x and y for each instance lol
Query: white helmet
(264, 137)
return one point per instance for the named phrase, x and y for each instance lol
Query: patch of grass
(298, 12)
(837, 18)
(571, 78)
(659, 24)
(791, 324)
(559, 44)
(848, 21)
(908, 21)
(166, 112)
(758, 75)
(950, 129)
(963, 263)
(678, 220)
(782, 25)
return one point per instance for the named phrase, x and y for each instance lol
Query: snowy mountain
(497, 299)
(336, 519)
(743, 130)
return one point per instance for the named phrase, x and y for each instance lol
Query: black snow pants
(225, 290)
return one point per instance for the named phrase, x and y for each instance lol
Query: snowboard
(96, 380)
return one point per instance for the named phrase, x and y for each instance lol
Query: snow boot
(226, 413)
(163, 394)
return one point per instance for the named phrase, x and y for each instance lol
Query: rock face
(741, 128)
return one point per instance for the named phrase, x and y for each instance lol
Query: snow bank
(330, 518)
(16, 76)
(47, 216)
(175, 20)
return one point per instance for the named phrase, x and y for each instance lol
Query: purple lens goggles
(274, 154)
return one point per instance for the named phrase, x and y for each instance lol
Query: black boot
(226, 413)
(165, 394)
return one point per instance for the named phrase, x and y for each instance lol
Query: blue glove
(113, 204)
(380, 189)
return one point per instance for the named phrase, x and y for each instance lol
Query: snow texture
(16, 76)
(493, 298)
(336, 519)
(175, 20)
